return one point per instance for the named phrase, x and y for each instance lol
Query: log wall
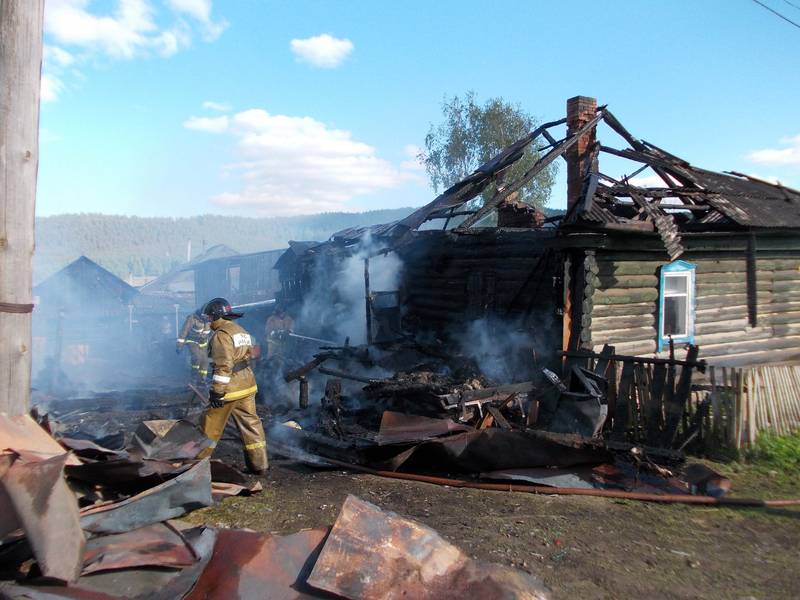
(626, 304)
(451, 278)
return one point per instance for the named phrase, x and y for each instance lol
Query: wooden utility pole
(20, 74)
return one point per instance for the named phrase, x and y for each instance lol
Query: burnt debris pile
(82, 520)
(613, 421)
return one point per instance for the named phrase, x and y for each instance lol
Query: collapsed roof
(690, 199)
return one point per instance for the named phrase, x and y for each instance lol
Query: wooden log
(637, 348)
(631, 334)
(624, 296)
(607, 282)
(20, 68)
(755, 357)
(615, 310)
(623, 322)
(739, 347)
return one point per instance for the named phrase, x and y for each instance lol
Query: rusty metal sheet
(248, 565)
(373, 554)
(620, 475)
(48, 512)
(89, 448)
(125, 475)
(24, 436)
(220, 490)
(155, 545)
(123, 584)
(577, 477)
(398, 427)
(186, 492)
(497, 449)
(13, 591)
(168, 439)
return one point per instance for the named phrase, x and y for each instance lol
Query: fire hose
(564, 491)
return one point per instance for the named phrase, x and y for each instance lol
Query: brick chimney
(580, 110)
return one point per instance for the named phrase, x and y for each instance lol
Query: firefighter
(233, 386)
(195, 335)
(278, 325)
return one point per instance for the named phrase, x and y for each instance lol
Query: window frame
(689, 271)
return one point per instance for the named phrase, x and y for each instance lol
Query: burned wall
(483, 286)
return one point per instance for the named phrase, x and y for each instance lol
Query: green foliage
(776, 452)
(152, 246)
(471, 134)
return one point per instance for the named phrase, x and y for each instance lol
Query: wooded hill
(142, 246)
(151, 246)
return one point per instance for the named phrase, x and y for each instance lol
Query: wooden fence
(738, 404)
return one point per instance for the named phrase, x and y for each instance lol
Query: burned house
(79, 313)
(706, 258)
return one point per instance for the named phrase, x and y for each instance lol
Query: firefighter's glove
(216, 400)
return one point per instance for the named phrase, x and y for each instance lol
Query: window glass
(675, 312)
(676, 284)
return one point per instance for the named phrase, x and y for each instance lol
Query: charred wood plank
(622, 408)
(307, 368)
(343, 375)
(654, 413)
(700, 365)
(677, 404)
(498, 417)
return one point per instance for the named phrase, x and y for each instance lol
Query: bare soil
(587, 548)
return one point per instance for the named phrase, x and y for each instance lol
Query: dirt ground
(587, 548)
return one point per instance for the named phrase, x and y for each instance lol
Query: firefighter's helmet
(219, 308)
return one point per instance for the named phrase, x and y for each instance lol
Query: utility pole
(20, 77)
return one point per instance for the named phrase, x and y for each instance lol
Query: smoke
(335, 306)
(505, 351)
(91, 335)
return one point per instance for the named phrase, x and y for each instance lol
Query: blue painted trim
(678, 266)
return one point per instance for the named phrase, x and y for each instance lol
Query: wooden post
(368, 300)
(20, 74)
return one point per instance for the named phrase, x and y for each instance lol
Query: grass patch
(776, 452)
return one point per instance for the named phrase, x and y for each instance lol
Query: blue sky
(248, 107)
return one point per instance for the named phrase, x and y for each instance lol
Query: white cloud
(412, 163)
(294, 165)
(217, 106)
(123, 34)
(200, 10)
(209, 124)
(57, 56)
(50, 88)
(323, 51)
(122, 30)
(789, 156)
(767, 178)
(647, 181)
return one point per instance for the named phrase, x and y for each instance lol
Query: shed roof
(84, 280)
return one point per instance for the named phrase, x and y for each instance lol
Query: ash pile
(607, 421)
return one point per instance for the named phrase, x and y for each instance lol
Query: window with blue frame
(676, 303)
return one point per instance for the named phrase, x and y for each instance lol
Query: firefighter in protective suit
(233, 386)
(195, 335)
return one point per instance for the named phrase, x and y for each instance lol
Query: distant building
(241, 278)
(80, 313)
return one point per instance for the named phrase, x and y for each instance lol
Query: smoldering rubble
(81, 520)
